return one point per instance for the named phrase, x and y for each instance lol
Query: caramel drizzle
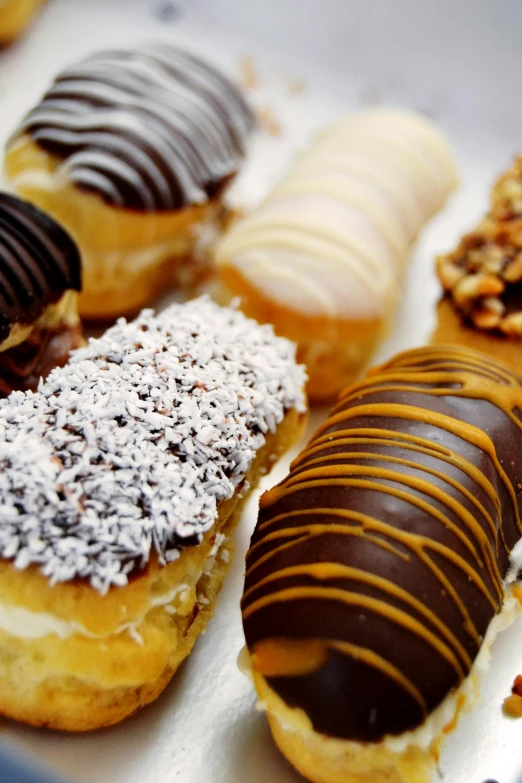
(271, 657)
(421, 485)
(467, 432)
(327, 570)
(474, 377)
(342, 438)
(416, 544)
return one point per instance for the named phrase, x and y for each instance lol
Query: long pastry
(15, 15)
(40, 275)
(482, 278)
(323, 258)
(132, 151)
(383, 566)
(122, 479)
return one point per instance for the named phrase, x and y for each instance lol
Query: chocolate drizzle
(22, 366)
(378, 563)
(152, 129)
(38, 262)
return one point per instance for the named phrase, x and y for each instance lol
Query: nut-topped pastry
(15, 15)
(324, 257)
(383, 566)
(132, 151)
(40, 275)
(122, 480)
(482, 278)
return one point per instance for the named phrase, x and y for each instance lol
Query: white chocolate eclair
(323, 258)
(122, 479)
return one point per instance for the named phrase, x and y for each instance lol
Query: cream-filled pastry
(323, 258)
(132, 152)
(482, 278)
(122, 479)
(40, 275)
(384, 565)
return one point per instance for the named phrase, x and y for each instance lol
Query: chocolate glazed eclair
(382, 567)
(40, 275)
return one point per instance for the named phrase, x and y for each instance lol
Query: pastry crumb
(297, 87)
(269, 122)
(513, 704)
(249, 74)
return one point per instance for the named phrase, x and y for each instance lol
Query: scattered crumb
(269, 122)
(297, 87)
(249, 75)
(513, 704)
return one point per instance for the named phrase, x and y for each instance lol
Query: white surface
(461, 63)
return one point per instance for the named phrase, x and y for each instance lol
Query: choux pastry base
(129, 257)
(334, 351)
(90, 680)
(324, 760)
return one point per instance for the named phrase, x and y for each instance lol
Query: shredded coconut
(129, 448)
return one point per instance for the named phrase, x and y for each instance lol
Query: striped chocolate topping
(38, 262)
(378, 563)
(155, 128)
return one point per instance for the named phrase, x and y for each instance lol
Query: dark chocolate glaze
(22, 366)
(387, 545)
(38, 262)
(151, 129)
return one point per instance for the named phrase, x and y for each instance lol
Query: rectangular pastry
(122, 479)
(132, 151)
(324, 257)
(384, 565)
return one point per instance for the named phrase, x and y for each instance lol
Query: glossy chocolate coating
(151, 129)
(39, 262)
(388, 543)
(22, 366)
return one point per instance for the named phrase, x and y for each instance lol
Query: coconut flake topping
(129, 448)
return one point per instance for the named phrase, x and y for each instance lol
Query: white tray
(460, 62)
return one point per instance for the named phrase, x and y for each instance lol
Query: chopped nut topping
(480, 274)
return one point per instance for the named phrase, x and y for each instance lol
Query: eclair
(482, 278)
(324, 257)
(132, 151)
(15, 16)
(123, 477)
(383, 566)
(40, 276)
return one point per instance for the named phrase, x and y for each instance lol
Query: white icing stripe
(345, 217)
(155, 128)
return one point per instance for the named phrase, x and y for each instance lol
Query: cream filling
(445, 713)
(24, 624)
(64, 311)
(99, 268)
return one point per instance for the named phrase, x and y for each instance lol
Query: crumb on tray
(269, 121)
(513, 704)
(249, 74)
